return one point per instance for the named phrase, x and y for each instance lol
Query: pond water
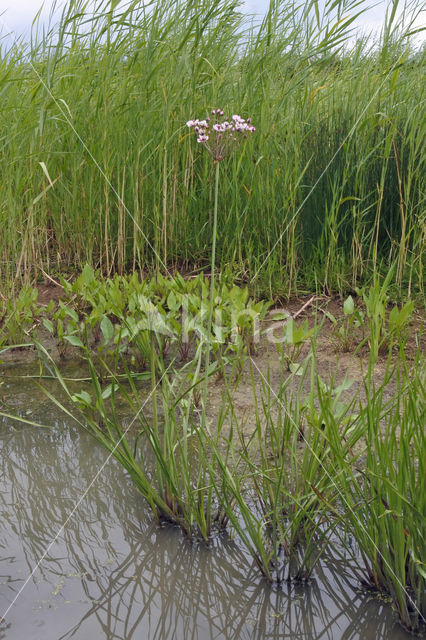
(80, 557)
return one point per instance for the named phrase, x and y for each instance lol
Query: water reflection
(113, 574)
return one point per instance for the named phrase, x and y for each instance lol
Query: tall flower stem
(212, 285)
(219, 135)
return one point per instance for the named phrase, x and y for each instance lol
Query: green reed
(384, 498)
(93, 138)
(277, 493)
(159, 449)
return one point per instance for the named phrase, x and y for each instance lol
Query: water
(81, 558)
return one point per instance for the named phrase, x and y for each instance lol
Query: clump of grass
(386, 496)
(159, 449)
(279, 497)
(19, 316)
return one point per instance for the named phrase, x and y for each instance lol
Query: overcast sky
(17, 15)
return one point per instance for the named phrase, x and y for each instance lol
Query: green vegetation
(386, 497)
(311, 467)
(102, 169)
(18, 316)
(104, 176)
(124, 311)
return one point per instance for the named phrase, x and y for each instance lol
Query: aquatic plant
(279, 498)
(290, 343)
(158, 449)
(221, 135)
(308, 466)
(346, 329)
(385, 329)
(19, 316)
(121, 312)
(384, 499)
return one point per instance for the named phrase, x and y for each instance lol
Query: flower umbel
(221, 135)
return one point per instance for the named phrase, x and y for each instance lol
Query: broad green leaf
(106, 393)
(75, 341)
(48, 324)
(296, 369)
(83, 398)
(107, 329)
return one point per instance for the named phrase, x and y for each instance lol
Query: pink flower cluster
(223, 133)
(238, 124)
(201, 128)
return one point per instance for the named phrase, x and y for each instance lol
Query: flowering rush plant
(221, 135)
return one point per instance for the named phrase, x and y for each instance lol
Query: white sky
(17, 15)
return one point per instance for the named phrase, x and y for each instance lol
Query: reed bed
(99, 167)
